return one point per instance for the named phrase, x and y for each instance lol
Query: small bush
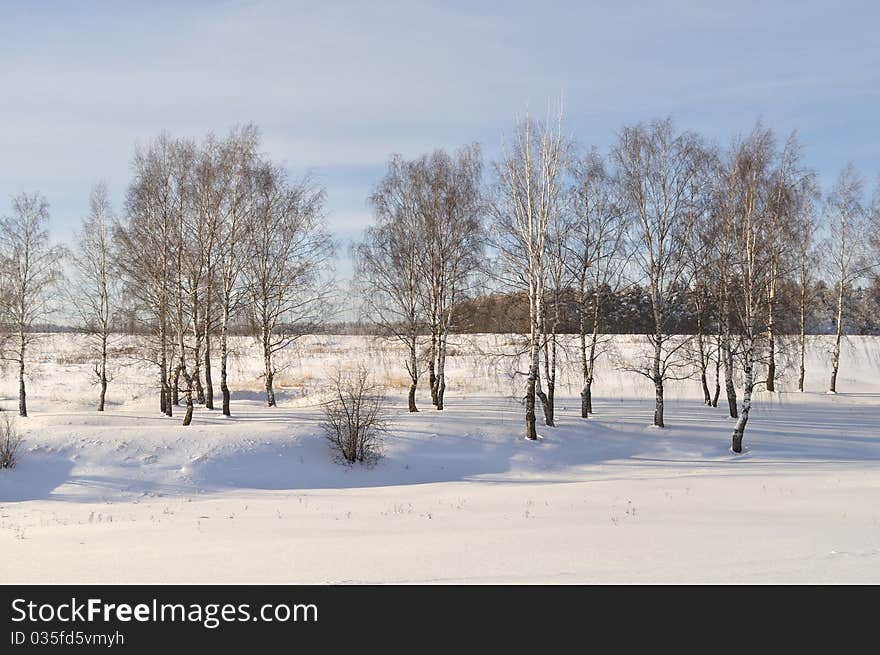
(354, 418)
(10, 442)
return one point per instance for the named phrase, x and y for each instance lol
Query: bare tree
(779, 237)
(701, 265)
(199, 251)
(655, 170)
(144, 248)
(598, 257)
(723, 211)
(846, 248)
(232, 213)
(95, 291)
(448, 202)
(751, 162)
(222, 201)
(288, 253)
(555, 286)
(529, 186)
(804, 228)
(389, 267)
(186, 267)
(32, 268)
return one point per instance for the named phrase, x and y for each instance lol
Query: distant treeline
(628, 311)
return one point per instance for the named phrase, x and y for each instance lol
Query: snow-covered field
(132, 496)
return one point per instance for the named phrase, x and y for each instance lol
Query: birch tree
(701, 265)
(779, 237)
(804, 228)
(846, 249)
(597, 259)
(724, 222)
(555, 286)
(184, 280)
(288, 254)
(144, 248)
(32, 269)
(655, 170)
(448, 201)
(528, 199)
(232, 214)
(389, 267)
(751, 162)
(95, 291)
(202, 228)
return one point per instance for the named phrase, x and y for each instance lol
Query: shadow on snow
(472, 440)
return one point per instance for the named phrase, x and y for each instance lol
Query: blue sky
(337, 87)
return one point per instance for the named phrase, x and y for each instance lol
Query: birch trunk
(534, 365)
(545, 403)
(441, 368)
(588, 361)
(413, 372)
(658, 403)
(197, 379)
(586, 394)
(730, 388)
(582, 337)
(835, 362)
(587, 399)
(432, 366)
(771, 334)
(197, 363)
(802, 342)
(269, 372)
(103, 371)
(594, 340)
(748, 386)
(188, 414)
(531, 430)
(704, 360)
(412, 398)
(547, 398)
(224, 359)
(22, 392)
(165, 391)
(658, 382)
(717, 372)
(175, 388)
(209, 382)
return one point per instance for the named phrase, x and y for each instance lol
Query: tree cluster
(212, 236)
(419, 258)
(718, 255)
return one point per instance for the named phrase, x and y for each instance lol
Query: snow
(459, 496)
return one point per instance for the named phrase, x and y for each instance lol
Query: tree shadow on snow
(474, 439)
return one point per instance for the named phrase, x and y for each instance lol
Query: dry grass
(394, 380)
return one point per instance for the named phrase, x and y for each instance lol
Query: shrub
(10, 442)
(354, 417)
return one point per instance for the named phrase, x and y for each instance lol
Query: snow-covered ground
(132, 496)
